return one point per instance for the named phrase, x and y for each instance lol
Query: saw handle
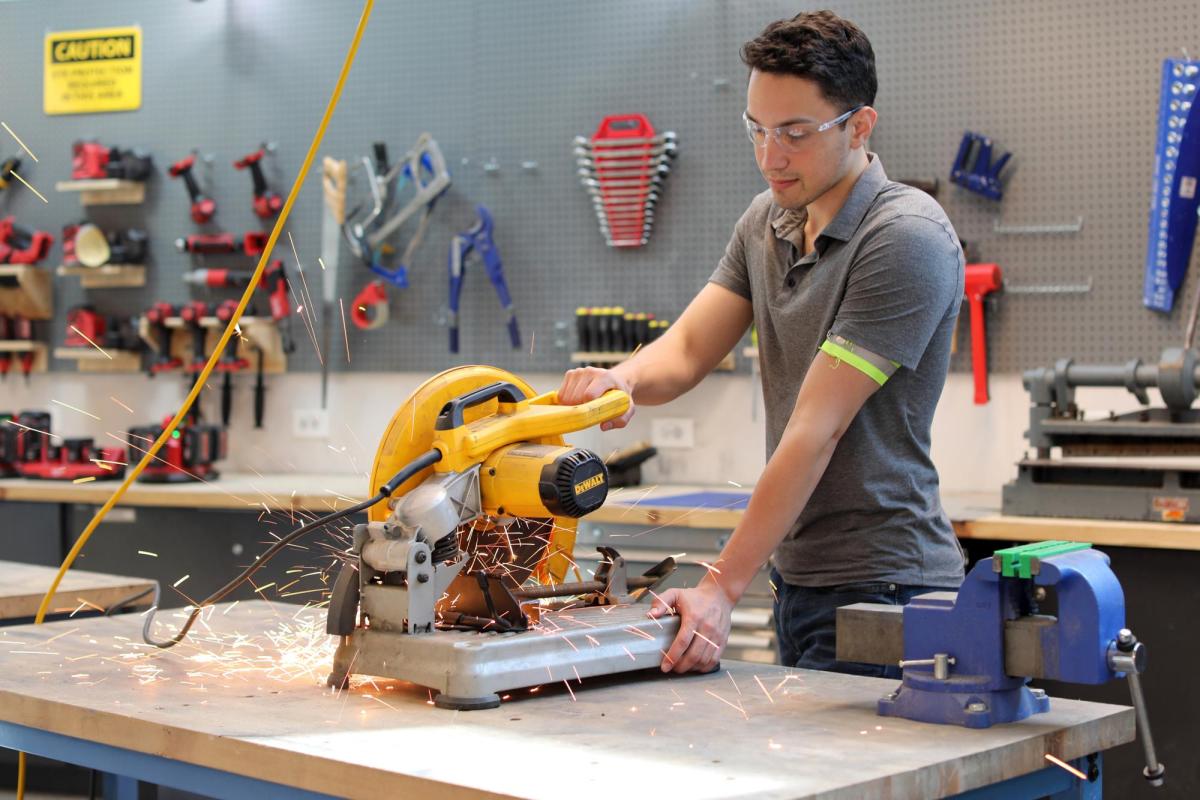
(451, 415)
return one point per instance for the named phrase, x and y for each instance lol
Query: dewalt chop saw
(457, 581)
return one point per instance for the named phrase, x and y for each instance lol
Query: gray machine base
(1120, 491)
(469, 670)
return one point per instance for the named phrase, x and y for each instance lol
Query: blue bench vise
(968, 656)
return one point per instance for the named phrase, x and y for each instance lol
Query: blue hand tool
(967, 657)
(478, 238)
(1175, 199)
(974, 169)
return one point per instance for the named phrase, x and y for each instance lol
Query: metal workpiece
(469, 670)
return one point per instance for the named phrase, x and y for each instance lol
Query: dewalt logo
(590, 483)
(103, 48)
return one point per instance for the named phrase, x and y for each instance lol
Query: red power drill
(275, 281)
(203, 207)
(266, 202)
(192, 313)
(229, 362)
(982, 280)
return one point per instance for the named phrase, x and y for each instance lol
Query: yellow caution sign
(92, 71)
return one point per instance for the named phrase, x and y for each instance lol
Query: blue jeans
(805, 622)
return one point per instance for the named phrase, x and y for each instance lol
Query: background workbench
(22, 587)
(228, 699)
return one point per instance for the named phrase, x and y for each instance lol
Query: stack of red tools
(623, 168)
(36, 457)
(188, 454)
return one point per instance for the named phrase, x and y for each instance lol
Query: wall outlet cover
(310, 423)
(672, 432)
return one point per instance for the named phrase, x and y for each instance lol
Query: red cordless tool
(160, 360)
(266, 202)
(89, 161)
(275, 282)
(203, 207)
(73, 459)
(229, 363)
(8, 446)
(982, 280)
(21, 330)
(192, 313)
(84, 327)
(188, 454)
(20, 246)
(219, 278)
(252, 243)
(206, 243)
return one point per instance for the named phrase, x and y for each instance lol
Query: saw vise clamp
(968, 656)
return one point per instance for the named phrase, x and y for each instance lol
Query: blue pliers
(478, 238)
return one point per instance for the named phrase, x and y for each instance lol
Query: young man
(854, 283)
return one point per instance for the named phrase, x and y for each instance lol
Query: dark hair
(822, 47)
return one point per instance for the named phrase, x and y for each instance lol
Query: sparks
(93, 344)
(18, 138)
(86, 479)
(181, 580)
(122, 405)
(73, 408)
(764, 689)
(29, 186)
(1059, 762)
(147, 553)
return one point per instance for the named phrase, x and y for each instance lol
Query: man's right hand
(587, 383)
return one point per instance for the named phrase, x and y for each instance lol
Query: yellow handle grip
(609, 405)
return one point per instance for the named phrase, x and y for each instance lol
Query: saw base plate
(470, 669)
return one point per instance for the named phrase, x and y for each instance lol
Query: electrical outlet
(672, 432)
(310, 423)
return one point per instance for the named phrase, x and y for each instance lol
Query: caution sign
(93, 71)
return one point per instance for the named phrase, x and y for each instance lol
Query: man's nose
(771, 156)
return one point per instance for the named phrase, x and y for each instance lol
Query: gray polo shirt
(886, 275)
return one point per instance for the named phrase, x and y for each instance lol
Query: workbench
(231, 491)
(22, 587)
(229, 714)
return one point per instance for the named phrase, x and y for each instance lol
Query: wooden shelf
(109, 276)
(14, 346)
(32, 297)
(727, 364)
(89, 359)
(257, 333)
(105, 191)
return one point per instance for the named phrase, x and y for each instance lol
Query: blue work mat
(696, 500)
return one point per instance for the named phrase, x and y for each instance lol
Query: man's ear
(861, 125)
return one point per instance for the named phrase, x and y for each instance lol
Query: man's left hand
(703, 626)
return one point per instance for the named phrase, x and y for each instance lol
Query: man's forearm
(783, 490)
(660, 371)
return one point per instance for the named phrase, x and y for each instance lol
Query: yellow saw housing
(526, 468)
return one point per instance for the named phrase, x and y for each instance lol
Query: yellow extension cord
(226, 335)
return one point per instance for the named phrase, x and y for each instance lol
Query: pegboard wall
(1069, 87)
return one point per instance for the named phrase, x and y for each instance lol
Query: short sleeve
(901, 286)
(732, 272)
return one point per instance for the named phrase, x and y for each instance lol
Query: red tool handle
(978, 349)
(981, 280)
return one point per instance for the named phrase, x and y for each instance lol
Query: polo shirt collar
(789, 224)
